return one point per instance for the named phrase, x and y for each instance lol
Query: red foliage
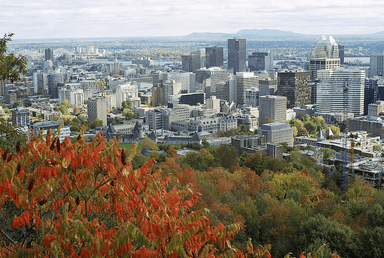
(86, 200)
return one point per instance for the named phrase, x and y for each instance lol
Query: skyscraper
(377, 64)
(294, 86)
(326, 55)
(330, 90)
(193, 61)
(237, 55)
(245, 81)
(213, 56)
(260, 61)
(48, 54)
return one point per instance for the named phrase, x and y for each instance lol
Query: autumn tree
(149, 144)
(85, 200)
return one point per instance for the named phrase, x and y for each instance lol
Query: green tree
(96, 123)
(377, 147)
(10, 136)
(63, 107)
(127, 104)
(338, 237)
(129, 114)
(11, 66)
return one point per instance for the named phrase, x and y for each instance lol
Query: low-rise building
(278, 133)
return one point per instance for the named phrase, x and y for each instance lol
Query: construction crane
(345, 138)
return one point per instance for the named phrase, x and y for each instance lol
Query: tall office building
(371, 92)
(330, 96)
(97, 109)
(187, 80)
(260, 61)
(48, 54)
(267, 86)
(193, 61)
(245, 81)
(237, 55)
(326, 55)
(55, 80)
(377, 64)
(213, 56)
(273, 108)
(294, 86)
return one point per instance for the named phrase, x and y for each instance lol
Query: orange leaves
(20, 221)
(48, 239)
(85, 198)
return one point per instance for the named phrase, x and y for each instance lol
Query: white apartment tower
(125, 92)
(329, 97)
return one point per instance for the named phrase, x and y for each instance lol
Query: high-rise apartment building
(125, 92)
(377, 64)
(330, 94)
(272, 108)
(97, 109)
(40, 82)
(237, 55)
(213, 56)
(294, 86)
(245, 81)
(48, 54)
(260, 61)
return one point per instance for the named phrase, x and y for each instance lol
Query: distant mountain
(377, 34)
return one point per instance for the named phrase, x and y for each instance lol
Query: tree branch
(10, 239)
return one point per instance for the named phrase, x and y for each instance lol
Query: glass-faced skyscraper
(213, 56)
(237, 55)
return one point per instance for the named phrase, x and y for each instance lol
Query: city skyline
(88, 19)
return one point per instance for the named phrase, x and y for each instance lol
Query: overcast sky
(31, 19)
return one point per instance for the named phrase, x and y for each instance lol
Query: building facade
(20, 116)
(237, 55)
(295, 86)
(97, 109)
(278, 133)
(213, 56)
(272, 108)
(330, 91)
(377, 64)
(259, 61)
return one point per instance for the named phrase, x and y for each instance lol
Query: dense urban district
(197, 146)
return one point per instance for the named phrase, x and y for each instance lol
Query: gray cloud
(125, 18)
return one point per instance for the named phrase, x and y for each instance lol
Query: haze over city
(87, 19)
